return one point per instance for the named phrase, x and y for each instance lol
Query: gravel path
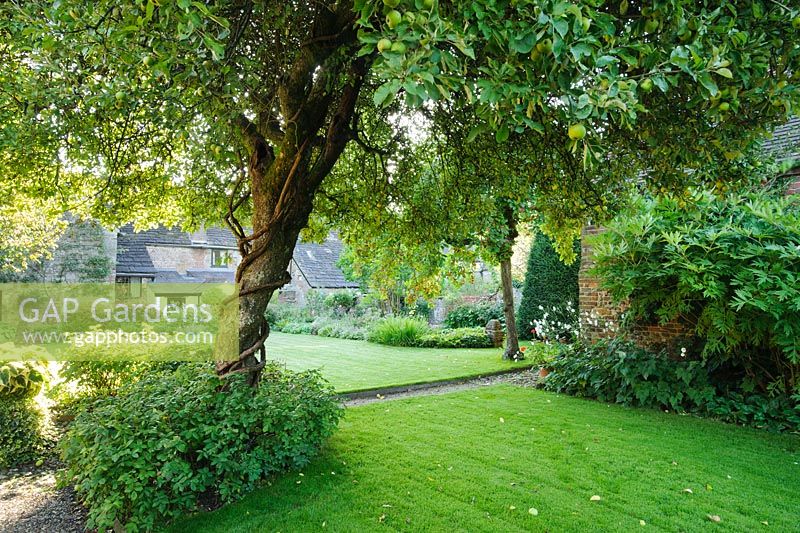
(31, 503)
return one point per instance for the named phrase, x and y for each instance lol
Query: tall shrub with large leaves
(550, 285)
(727, 267)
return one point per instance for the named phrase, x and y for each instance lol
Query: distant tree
(29, 232)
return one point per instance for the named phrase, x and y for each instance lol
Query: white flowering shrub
(566, 324)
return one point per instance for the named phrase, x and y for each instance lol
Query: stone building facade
(85, 252)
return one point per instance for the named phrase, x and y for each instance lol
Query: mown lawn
(360, 365)
(480, 460)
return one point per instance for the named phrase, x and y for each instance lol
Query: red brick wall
(794, 186)
(600, 316)
(595, 308)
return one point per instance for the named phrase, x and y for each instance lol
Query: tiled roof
(318, 263)
(785, 140)
(221, 237)
(132, 256)
(159, 235)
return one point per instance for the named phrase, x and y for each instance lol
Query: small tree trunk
(512, 339)
(507, 251)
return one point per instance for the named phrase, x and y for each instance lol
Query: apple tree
(165, 110)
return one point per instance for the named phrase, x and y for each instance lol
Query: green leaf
(579, 50)
(216, 47)
(705, 80)
(561, 26)
(725, 72)
(502, 134)
(604, 61)
(660, 82)
(524, 43)
(474, 132)
(385, 93)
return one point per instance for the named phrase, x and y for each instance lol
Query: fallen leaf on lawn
(512, 507)
(689, 491)
(709, 487)
(324, 524)
(595, 498)
(729, 477)
(502, 421)
(714, 518)
(765, 522)
(387, 505)
(381, 518)
(642, 523)
(301, 474)
(674, 463)
(534, 511)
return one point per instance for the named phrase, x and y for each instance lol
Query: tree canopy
(162, 111)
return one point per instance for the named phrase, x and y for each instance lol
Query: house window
(129, 287)
(220, 258)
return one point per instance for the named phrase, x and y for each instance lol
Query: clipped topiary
(549, 283)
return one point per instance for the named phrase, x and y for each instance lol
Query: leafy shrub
(341, 301)
(20, 431)
(86, 381)
(421, 309)
(473, 316)
(617, 371)
(549, 284)
(339, 330)
(172, 441)
(727, 268)
(779, 413)
(297, 328)
(285, 313)
(398, 331)
(20, 380)
(456, 338)
(21, 439)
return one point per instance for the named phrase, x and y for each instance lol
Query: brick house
(597, 304)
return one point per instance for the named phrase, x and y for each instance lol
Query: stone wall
(295, 291)
(85, 252)
(182, 259)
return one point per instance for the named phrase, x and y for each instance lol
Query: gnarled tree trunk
(289, 158)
